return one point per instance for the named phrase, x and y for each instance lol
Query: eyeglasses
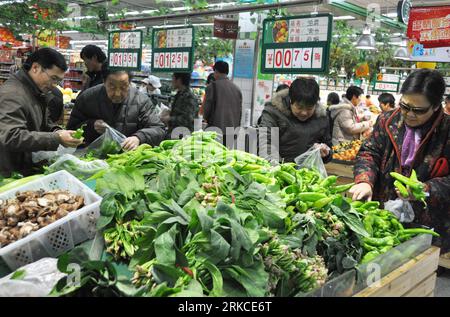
(407, 108)
(54, 79)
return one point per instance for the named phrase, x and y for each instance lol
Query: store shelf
(4, 70)
(4, 77)
(6, 63)
(76, 69)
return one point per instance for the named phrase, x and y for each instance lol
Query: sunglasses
(407, 108)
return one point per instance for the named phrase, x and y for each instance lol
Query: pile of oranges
(346, 151)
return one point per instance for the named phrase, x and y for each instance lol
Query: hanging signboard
(385, 86)
(390, 78)
(173, 49)
(226, 27)
(125, 50)
(430, 26)
(297, 45)
(418, 53)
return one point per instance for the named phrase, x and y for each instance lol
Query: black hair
(333, 98)
(387, 99)
(90, 51)
(353, 91)
(221, 67)
(184, 77)
(427, 82)
(210, 78)
(367, 96)
(47, 58)
(304, 91)
(282, 87)
(108, 72)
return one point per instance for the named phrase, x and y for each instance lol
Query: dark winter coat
(25, 126)
(381, 154)
(135, 117)
(295, 137)
(184, 110)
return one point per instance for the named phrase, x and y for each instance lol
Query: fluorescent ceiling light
(70, 32)
(391, 15)
(140, 27)
(132, 13)
(88, 41)
(344, 17)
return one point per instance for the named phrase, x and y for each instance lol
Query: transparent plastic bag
(78, 168)
(313, 160)
(33, 280)
(109, 142)
(42, 156)
(402, 209)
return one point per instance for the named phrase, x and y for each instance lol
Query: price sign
(384, 86)
(173, 49)
(125, 50)
(297, 45)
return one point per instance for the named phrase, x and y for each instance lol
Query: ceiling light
(70, 32)
(401, 53)
(344, 18)
(391, 15)
(366, 41)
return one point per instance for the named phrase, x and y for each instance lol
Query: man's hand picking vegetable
(361, 191)
(100, 126)
(324, 149)
(131, 143)
(66, 138)
(79, 133)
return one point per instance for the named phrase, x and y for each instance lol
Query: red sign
(430, 26)
(226, 28)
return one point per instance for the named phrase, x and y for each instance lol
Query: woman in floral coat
(415, 136)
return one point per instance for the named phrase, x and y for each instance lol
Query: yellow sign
(428, 65)
(47, 38)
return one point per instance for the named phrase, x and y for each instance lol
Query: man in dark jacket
(122, 107)
(95, 61)
(55, 103)
(301, 120)
(223, 101)
(24, 123)
(184, 106)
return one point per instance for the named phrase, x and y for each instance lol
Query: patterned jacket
(184, 109)
(381, 154)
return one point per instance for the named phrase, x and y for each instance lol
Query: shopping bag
(45, 156)
(402, 209)
(78, 168)
(110, 142)
(312, 159)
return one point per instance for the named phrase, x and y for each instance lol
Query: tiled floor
(443, 285)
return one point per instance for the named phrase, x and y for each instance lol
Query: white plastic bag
(313, 160)
(38, 280)
(402, 209)
(78, 168)
(109, 142)
(41, 156)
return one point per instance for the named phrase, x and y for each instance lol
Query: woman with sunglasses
(415, 136)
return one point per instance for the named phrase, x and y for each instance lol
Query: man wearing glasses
(24, 121)
(117, 104)
(415, 136)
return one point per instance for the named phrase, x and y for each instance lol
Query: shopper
(333, 99)
(346, 126)
(96, 64)
(24, 124)
(151, 85)
(120, 106)
(387, 102)
(223, 104)
(55, 103)
(301, 120)
(447, 105)
(416, 136)
(368, 101)
(184, 106)
(281, 87)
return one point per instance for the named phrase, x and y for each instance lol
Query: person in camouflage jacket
(384, 153)
(184, 106)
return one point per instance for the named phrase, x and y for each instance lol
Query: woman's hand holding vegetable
(131, 143)
(361, 191)
(66, 138)
(324, 149)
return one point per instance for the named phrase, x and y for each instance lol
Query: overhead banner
(173, 49)
(418, 53)
(125, 50)
(297, 45)
(430, 26)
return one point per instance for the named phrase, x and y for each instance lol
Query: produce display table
(444, 260)
(342, 169)
(416, 278)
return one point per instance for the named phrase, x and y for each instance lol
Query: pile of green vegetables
(191, 218)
